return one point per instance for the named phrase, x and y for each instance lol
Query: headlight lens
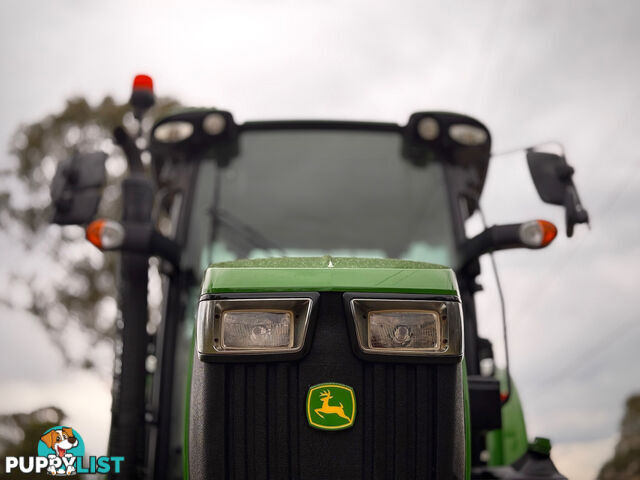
(257, 329)
(409, 329)
(252, 326)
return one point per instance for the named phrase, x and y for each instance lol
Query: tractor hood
(329, 274)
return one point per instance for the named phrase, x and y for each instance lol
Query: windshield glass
(322, 192)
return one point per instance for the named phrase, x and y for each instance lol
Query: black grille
(249, 421)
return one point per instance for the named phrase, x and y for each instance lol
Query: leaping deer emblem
(325, 396)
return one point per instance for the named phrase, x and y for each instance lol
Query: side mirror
(76, 188)
(552, 176)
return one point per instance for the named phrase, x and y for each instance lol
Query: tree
(21, 432)
(69, 285)
(625, 464)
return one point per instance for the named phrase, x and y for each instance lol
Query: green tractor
(318, 298)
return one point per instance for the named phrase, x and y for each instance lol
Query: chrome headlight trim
(450, 336)
(209, 340)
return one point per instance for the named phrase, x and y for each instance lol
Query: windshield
(321, 192)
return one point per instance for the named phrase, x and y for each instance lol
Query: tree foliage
(625, 464)
(66, 283)
(21, 432)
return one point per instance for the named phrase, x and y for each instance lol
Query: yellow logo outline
(330, 409)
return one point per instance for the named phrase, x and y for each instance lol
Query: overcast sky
(532, 71)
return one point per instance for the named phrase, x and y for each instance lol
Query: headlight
(252, 326)
(414, 330)
(407, 327)
(256, 329)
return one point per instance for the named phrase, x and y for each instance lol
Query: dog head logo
(61, 445)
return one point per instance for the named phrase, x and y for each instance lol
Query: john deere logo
(331, 406)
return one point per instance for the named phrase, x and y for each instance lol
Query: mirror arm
(143, 238)
(138, 237)
(497, 237)
(130, 149)
(575, 213)
(565, 173)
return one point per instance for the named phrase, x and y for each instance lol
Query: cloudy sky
(533, 71)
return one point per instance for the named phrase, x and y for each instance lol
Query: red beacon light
(142, 97)
(144, 82)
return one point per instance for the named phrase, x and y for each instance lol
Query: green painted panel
(187, 411)
(329, 274)
(510, 443)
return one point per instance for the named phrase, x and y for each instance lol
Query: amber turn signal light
(549, 232)
(537, 233)
(105, 234)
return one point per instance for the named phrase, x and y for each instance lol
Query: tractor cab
(318, 317)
